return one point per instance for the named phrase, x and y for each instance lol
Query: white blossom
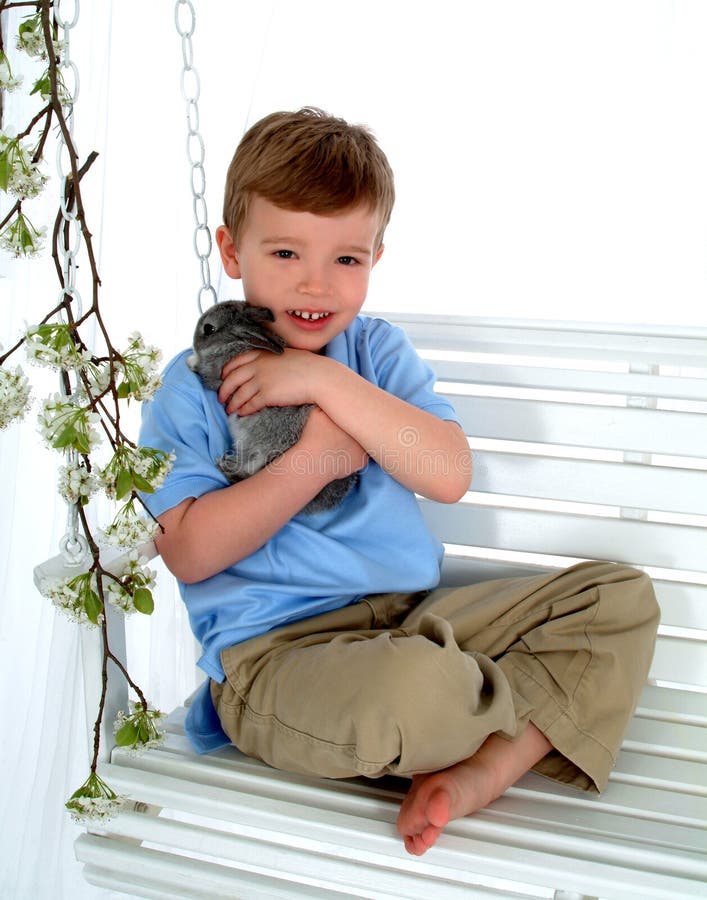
(134, 468)
(94, 801)
(134, 576)
(20, 175)
(76, 484)
(63, 425)
(54, 347)
(33, 44)
(97, 375)
(139, 369)
(67, 596)
(21, 238)
(140, 729)
(26, 184)
(14, 395)
(31, 39)
(8, 82)
(129, 530)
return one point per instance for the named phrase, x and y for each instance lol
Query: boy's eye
(285, 254)
(347, 260)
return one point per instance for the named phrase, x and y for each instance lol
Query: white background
(551, 162)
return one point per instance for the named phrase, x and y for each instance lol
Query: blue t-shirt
(375, 540)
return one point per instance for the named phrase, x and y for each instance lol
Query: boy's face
(311, 270)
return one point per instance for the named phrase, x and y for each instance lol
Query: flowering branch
(93, 385)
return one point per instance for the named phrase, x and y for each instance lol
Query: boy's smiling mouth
(308, 315)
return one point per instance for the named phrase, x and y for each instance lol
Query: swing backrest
(589, 442)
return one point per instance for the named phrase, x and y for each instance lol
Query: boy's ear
(378, 255)
(229, 254)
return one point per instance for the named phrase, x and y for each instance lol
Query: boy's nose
(314, 284)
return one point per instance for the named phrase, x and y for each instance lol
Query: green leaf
(123, 483)
(5, 170)
(142, 484)
(123, 390)
(65, 438)
(28, 26)
(82, 443)
(142, 598)
(92, 605)
(126, 735)
(42, 86)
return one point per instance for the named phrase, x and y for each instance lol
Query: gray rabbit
(225, 330)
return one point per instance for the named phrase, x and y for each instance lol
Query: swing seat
(590, 442)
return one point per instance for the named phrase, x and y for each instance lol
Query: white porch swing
(590, 442)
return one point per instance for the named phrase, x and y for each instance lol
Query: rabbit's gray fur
(225, 330)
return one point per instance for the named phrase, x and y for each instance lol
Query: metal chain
(191, 90)
(70, 246)
(73, 545)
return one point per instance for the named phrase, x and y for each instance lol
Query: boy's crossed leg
(344, 694)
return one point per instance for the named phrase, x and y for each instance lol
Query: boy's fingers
(238, 361)
(232, 382)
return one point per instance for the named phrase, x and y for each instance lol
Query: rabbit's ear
(259, 339)
(259, 313)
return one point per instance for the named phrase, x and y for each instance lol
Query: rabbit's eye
(209, 329)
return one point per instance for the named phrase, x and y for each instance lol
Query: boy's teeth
(303, 314)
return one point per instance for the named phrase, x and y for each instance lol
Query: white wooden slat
(667, 774)
(681, 661)
(678, 347)
(370, 838)
(146, 872)
(591, 481)
(611, 333)
(672, 741)
(613, 817)
(621, 540)
(682, 604)
(575, 425)
(538, 378)
(671, 705)
(249, 850)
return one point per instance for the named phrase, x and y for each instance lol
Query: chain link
(185, 23)
(73, 546)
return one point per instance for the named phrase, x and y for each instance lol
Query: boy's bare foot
(435, 799)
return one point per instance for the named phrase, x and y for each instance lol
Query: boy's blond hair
(308, 161)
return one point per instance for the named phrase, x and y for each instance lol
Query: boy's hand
(254, 380)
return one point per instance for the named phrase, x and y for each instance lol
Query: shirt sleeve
(401, 371)
(180, 419)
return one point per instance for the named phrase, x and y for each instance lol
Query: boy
(329, 648)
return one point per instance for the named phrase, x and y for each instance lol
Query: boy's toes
(417, 844)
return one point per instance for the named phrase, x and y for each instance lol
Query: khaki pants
(402, 684)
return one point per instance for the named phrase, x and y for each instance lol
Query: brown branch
(15, 209)
(22, 340)
(97, 400)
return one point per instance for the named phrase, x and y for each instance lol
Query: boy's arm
(425, 453)
(205, 535)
